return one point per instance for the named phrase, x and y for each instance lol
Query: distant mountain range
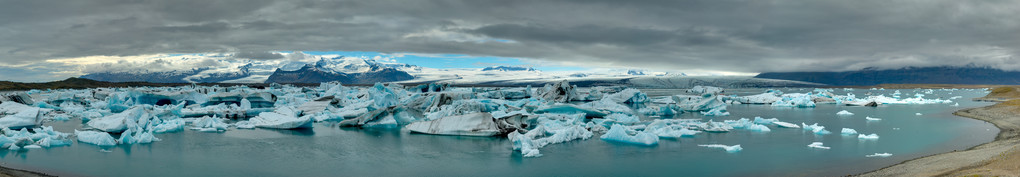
(908, 75)
(353, 70)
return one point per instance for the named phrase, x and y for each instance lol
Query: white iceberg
(868, 137)
(730, 149)
(917, 114)
(817, 129)
(95, 137)
(27, 117)
(818, 145)
(619, 133)
(879, 155)
(844, 113)
(872, 119)
(848, 132)
(282, 118)
(785, 124)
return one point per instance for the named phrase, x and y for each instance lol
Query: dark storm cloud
(730, 35)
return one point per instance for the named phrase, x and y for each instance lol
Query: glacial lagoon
(329, 150)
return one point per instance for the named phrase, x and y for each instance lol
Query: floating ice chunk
(705, 102)
(669, 128)
(917, 114)
(817, 129)
(715, 127)
(716, 112)
(283, 118)
(879, 155)
(799, 100)
(33, 147)
(848, 132)
(730, 149)
(759, 120)
(382, 96)
(245, 125)
(171, 125)
(758, 128)
(619, 133)
(785, 124)
(145, 138)
(53, 142)
(957, 104)
(561, 92)
(475, 124)
(118, 122)
(126, 137)
(764, 98)
(543, 135)
(844, 113)
(26, 117)
(209, 124)
(628, 95)
(705, 89)
(818, 145)
(868, 137)
(95, 137)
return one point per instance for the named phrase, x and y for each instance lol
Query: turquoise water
(330, 151)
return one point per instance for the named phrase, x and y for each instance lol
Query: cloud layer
(726, 35)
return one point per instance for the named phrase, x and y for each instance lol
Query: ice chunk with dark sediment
(475, 124)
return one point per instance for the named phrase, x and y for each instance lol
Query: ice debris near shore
(879, 155)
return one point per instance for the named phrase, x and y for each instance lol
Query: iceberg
(561, 92)
(628, 95)
(817, 129)
(795, 100)
(818, 145)
(730, 149)
(619, 133)
(209, 124)
(705, 90)
(848, 132)
(475, 124)
(759, 120)
(785, 124)
(844, 113)
(623, 118)
(95, 137)
(917, 114)
(669, 128)
(879, 155)
(282, 118)
(171, 125)
(868, 137)
(26, 117)
(872, 119)
(119, 122)
(570, 109)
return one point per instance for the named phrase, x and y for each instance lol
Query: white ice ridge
(848, 132)
(872, 119)
(730, 149)
(879, 155)
(817, 145)
(868, 137)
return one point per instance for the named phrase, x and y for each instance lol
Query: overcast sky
(725, 35)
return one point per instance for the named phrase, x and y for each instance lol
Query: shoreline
(10, 172)
(988, 159)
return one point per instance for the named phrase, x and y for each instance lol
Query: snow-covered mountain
(360, 70)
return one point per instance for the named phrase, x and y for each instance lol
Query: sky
(44, 40)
